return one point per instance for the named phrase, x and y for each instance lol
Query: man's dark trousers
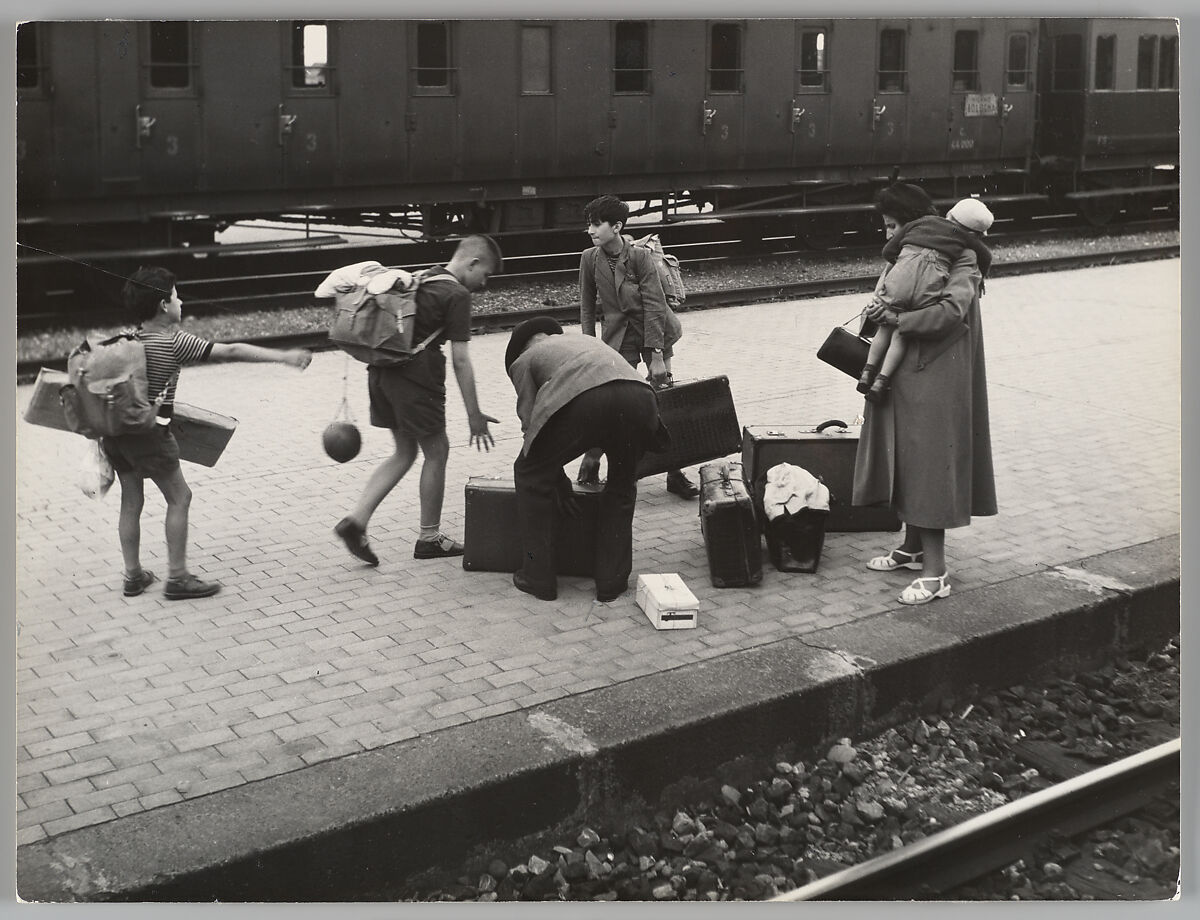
(620, 418)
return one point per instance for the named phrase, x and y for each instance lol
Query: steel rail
(702, 300)
(991, 841)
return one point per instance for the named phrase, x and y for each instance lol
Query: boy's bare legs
(876, 355)
(878, 390)
(178, 496)
(385, 477)
(129, 527)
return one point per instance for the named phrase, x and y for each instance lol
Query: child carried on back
(922, 252)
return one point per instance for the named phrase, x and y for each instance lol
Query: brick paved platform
(129, 707)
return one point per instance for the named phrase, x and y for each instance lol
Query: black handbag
(845, 350)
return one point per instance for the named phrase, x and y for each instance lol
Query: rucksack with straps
(107, 393)
(376, 311)
(667, 266)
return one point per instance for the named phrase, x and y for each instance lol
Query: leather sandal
(896, 559)
(918, 593)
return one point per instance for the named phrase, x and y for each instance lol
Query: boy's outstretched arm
(244, 351)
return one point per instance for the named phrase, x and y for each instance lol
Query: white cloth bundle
(791, 488)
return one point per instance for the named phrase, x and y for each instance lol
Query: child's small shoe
(879, 389)
(866, 379)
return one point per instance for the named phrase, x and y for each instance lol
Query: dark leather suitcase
(492, 536)
(827, 451)
(731, 535)
(703, 424)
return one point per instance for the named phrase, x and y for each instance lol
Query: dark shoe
(136, 585)
(867, 378)
(439, 547)
(524, 584)
(610, 593)
(679, 484)
(355, 539)
(879, 390)
(178, 589)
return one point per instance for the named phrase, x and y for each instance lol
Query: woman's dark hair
(145, 290)
(904, 202)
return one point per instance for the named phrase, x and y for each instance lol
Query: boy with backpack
(622, 280)
(409, 399)
(154, 303)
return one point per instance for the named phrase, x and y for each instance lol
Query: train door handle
(876, 113)
(797, 114)
(285, 124)
(1005, 110)
(706, 116)
(144, 125)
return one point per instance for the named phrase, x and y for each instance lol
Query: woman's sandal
(917, 593)
(896, 559)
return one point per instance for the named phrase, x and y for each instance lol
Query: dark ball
(342, 441)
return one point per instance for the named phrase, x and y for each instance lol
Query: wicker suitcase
(202, 435)
(827, 451)
(731, 536)
(492, 537)
(703, 423)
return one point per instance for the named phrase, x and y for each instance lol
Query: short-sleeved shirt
(446, 303)
(166, 353)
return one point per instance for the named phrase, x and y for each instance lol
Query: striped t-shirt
(166, 353)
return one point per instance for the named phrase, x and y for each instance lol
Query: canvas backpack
(375, 312)
(107, 393)
(667, 266)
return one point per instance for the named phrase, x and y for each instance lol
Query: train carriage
(133, 133)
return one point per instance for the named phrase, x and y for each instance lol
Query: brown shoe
(439, 547)
(679, 484)
(189, 586)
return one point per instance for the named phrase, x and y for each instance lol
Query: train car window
(813, 73)
(29, 71)
(310, 55)
(434, 71)
(966, 60)
(631, 58)
(725, 58)
(170, 55)
(535, 59)
(1106, 62)
(1168, 62)
(1068, 62)
(1146, 60)
(892, 73)
(1018, 75)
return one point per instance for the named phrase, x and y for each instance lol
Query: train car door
(582, 115)
(724, 96)
(766, 140)
(240, 64)
(807, 114)
(117, 96)
(680, 103)
(631, 113)
(1017, 108)
(889, 108)
(307, 115)
(490, 114)
(851, 74)
(431, 123)
(371, 143)
(974, 126)
(535, 92)
(35, 114)
(168, 114)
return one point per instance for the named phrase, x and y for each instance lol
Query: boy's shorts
(154, 453)
(398, 403)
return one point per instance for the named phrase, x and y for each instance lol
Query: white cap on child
(972, 214)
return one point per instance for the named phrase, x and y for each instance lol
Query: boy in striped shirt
(154, 304)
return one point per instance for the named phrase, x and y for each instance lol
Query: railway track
(939, 863)
(282, 274)
(493, 322)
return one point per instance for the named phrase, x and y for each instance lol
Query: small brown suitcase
(827, 451)
(202, 435)
(703, 423)
(731, 535)
(492, 537)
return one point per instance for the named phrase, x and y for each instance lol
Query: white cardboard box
(667, 602)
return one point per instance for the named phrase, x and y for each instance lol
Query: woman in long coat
(927, 449)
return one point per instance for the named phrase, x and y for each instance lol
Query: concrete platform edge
(343, 826)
